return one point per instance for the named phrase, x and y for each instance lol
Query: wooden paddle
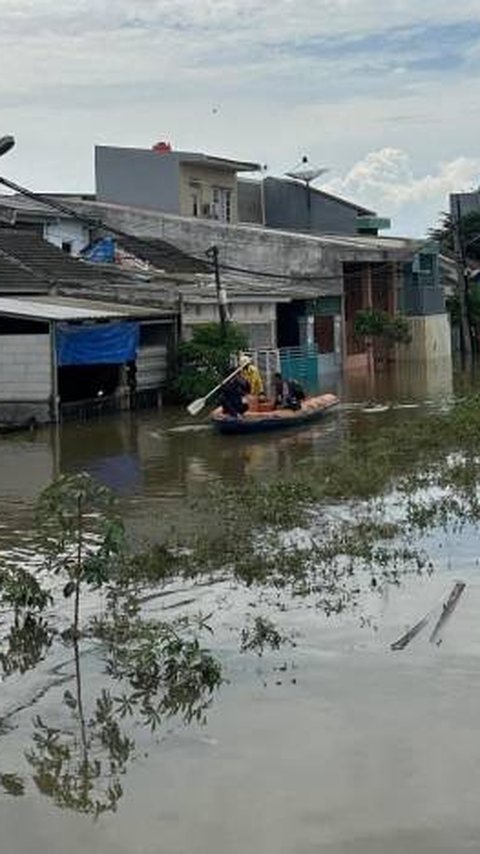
(197, 405)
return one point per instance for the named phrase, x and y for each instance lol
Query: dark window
(67, 246)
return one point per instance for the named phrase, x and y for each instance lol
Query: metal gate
(294, 363)
(301, 364)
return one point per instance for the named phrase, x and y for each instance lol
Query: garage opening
(87, 382)
(94, 366)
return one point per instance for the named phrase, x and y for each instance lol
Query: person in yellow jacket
(251, 373)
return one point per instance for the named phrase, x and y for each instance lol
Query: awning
(97, 344)
(59, 308)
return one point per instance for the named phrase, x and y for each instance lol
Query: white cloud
(385, 181)
(288, 76)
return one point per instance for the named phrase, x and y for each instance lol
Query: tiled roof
(162, 255)
(26, 207)
(30, 264)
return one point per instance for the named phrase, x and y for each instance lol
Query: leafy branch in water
(80, 534)
(159, 668)
(169, 674)
(262, 634)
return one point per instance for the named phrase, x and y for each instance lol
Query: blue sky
(385, 95)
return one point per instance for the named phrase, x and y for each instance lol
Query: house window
(67, 246)
(195, 197)
(222, 204)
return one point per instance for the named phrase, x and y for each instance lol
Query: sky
(385, 94)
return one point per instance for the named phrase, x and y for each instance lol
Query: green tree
(469, 232)
(391, 329)
(204, 360)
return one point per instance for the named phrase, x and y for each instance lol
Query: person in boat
(295, 395)
(288, 393)
(253, 376)
(232, 396)
(280, 389)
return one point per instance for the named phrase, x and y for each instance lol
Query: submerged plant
(80, 534)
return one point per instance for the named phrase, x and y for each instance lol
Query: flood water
(334, 745)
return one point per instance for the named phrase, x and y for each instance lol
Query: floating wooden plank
(447, 609)
(405, 639)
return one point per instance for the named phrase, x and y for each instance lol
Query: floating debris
(447, 609)
(405, 639)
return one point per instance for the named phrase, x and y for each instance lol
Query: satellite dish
(305, 171)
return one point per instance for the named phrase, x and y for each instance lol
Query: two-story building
(186, 183)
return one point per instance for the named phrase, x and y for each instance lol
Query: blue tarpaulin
(98, 344)
(102, 251)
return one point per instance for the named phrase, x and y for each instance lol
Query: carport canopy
(87, 332)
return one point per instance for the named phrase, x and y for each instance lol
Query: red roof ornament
(162, 147)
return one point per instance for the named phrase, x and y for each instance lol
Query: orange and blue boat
(265, 418)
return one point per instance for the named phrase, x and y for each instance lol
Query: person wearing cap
(251, 373)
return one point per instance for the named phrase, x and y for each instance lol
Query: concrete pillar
(393, 290)
(310, 330)
(367, 301)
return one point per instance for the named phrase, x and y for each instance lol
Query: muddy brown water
(337, 745)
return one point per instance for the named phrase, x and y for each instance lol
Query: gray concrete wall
(276, 252)
(249, 194)
(431, 339)
(286, 206)
(133, 176)
(258, 320)
(25, 377)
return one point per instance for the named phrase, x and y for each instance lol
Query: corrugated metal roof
(67, 308)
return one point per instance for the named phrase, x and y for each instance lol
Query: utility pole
(461, 262)
(221, 292)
